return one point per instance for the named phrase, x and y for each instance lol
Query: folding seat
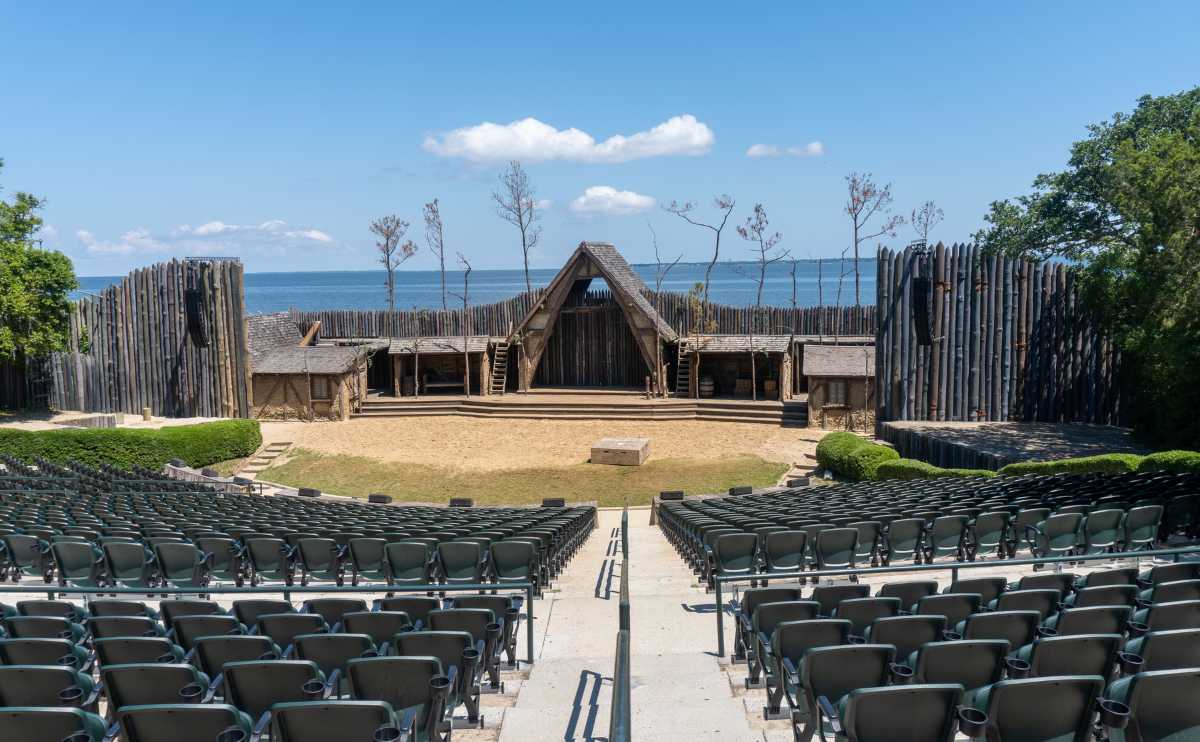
(483, 626)
(1045, 602)
(182, 565)
(271, 560)
(1154, 705)
(1102, 531)
(46, 685)
(506, 610)
(1102, 619)
(321, 559)
(115, 627)
(417, 607)
(1063, 582)
(733, 554)
(832, 672)
(972, 663)
(58, 608)
(1169, 573)
(989, 588)
(909, 593)
(410, 562)
(1083, 654)
(905, 539)
(835, 549)
(860, 612)
(1169, 592)
(332, 651)
(46, 723)
(172, 609)
(332, 609)
(130, 565)
(454, 649)
(42, 627)
(254, 687)
(988, 535)
(1181, 614)
(906, 633)
(416, 684)
(911, 713)
(946, 536)
(1053, 708)
(516, 561)
(79, 564)
(283, 628)
(137, 650)
(183, 722)
(1103, 578)
(766, 618)
(790, 642)
(225, 562)
(870, 533)
(1141, 527)
(187, 629)
(1018, 628)
(113, 607)
(248, 611)
(461, 562)
(368, 562)
(320, 721)
(212, 653)
(154, 682)
(954, 606)
(745, 638)
(829, 596)
(381, 626)
(783, 551)
(1167, 650)
(1102, 595)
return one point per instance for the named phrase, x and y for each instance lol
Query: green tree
(34, 284)
(1127, 211)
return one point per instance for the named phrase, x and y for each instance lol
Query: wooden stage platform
(991, 445)
(588, 404)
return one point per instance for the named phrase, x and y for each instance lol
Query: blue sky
(278, 131)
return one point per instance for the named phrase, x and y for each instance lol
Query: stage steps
(790, 414)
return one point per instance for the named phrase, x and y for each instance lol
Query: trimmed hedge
(914, 469)
(1178, 462)
(852, 457)
(198, 445)
(1108, 463)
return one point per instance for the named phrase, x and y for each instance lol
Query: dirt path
(489, 445)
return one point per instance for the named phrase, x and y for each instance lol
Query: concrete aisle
(680, 692)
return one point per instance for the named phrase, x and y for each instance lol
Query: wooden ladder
(500, 369)
(683, 371)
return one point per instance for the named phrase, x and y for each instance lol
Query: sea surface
(732, 283)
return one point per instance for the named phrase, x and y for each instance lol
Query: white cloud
(531, 140)
(274, 237)
(608, 200)
(542, 204)
(47, 233)
(812, 149)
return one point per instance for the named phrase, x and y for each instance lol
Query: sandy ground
(56, 420)
(488, 445)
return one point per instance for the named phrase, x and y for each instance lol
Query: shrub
(198, 445)
(914, 469)
(866, 459)
(1107, 463)
(833, 451)
(1172, 461)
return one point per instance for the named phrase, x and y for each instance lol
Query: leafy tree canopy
(1127, 210)
(34, 283)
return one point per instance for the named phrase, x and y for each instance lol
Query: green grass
(227, 468)
(357, 476)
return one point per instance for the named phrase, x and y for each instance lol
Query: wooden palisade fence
(133, 346)
(1010, 341)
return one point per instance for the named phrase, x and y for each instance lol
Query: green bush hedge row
(198, 445)
(1107, 463)
(914, 469)
(851, 457)
(1172, 461)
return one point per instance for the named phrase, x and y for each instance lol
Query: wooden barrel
(706, 386)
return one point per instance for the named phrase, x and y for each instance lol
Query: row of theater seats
(191, 670)
(192, 538)
(848, 526)
(1048, 658)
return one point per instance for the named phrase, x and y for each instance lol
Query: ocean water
(732, 283)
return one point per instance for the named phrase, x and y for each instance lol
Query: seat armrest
(260, 727)
(827, 711)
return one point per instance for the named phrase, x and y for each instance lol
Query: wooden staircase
(683, 371)
(500, 369)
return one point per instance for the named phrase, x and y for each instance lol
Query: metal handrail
(952, 567)
(52, 590)
(621, 713)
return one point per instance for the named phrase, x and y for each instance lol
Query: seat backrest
(474, 621)
(38, 723)
(973, 663)
(381, 626)
(860, 612)
(836, 546)
(248, 611)
(513, 558)
(460, 559)
(136, 650)
(793, 638)
(1162, 704)
(989, 588)
(153, 682)
(1084, 654)
(107, 627)
(37, 685)
(1168, 650)
(785, 549)
(954, 606)
(1179, 614)
(214, 652)
(1018, 628)
(1173, 572)
(909, 592)
(172, 609)
(257, 685)
(318, 722)
(58, 608)
(332, 651)
(735, 551)
(753, 597)
(1054, 708)
(190, 628)
(417, 607)
(906, 633)
(911, 713)
(1063, 582)
(1044, 601)
(401, 681)
(1104, 595)
(767, 616)
(835, 671)
(447, 646)
(198, 722)
(1101, 619)
(828, 596)
(332, 609)
(1121, 576)
(40, 651)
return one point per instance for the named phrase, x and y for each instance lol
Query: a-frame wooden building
(593, 260)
